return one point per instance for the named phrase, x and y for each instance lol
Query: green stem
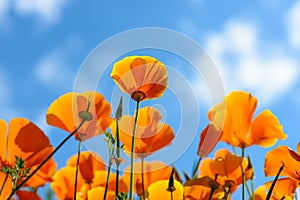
(118, 157)
(132, 150)
(274, 182)
(171, 195)
(248, 189)
(4, 182)
(44, 162)
(252, 189)
(107, 179)
(196, 168)
(77, 167)
(243, 175)
(143, 182)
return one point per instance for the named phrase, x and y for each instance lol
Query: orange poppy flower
(234, 117)
(283, 155)
(200, 188)
(142, 77)
(228, 168)
(22, 194)
(64, 113)
(89, 163)
(151, 134)
(208, 139)
(285, 188)
(153, 172)
(24, 139)
(63, 183)
(158, 190)
(98, 193)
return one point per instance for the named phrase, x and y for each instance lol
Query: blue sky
(254, 46)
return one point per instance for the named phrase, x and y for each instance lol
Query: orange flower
(22, 194)
(24, 139)
(158, 190)
(234, 117)
(200, 188)
(208, 140)
(153, 172)
(89, 163)
(283, 155)
(142, 77)
(63, 183)
(98, 193)
(64, 113)
(151, 134)
(285, 188)
(228, 168)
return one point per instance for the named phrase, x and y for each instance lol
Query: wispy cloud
(244, 63)
(293, 22)
(46, 11)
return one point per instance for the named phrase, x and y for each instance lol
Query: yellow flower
(142, 77)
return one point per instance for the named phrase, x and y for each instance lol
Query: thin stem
(132, 150)
(118, 157)
(196, 168)
(274, 182)
(4, 182)
(171, 195)
(143, 182)
(252, 189)
(248, 189)
(44, 162)
(107, 179)
(213, 187)
(77, 167)
(243, 175)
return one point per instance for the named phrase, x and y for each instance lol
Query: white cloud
(293, 22)
(53, 71)
(245, 64)
(45, 11)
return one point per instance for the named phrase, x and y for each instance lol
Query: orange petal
(3, 140)
(98, 193)
(63, 113)
(153, 171)
(100, 180)
(7, 187)
(279, 156)
(63, 183)
(284, 187)
(208, 140)
(266, 130)
(141, 73)
(158, 190)
(27, 195)
(88, 163)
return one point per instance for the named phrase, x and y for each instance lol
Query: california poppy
(285, 188)
(227, 167)
(234, 117)
(6, 183)
(283, 155)
(64, 113)
(158, 190)
(151, 134)
(63, 183)
(142, 77)
(153, 171)
(25, 140)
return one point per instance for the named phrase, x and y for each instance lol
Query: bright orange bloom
(151, 134)
(283, 155)
(285, 188)
(208, 139)
(89, 163)
(200, 188)
(158, 190)
(64, 182)
(153, 171)
(24, 139)
(142, 77)
(98, 193)
(64, 113)
(234, 117)
(228, 168)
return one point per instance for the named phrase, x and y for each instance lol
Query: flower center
(138, 95)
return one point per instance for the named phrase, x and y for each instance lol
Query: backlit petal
(158, 190)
